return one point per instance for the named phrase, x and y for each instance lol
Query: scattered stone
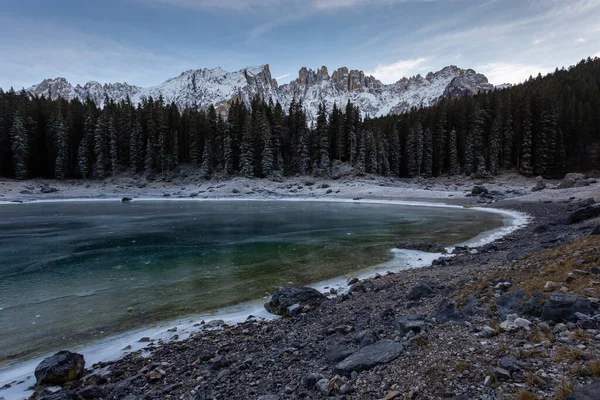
(126, 199)
(310, 380)
(500, 373)
(48, 189)
(540, 184)
(352, 280)
(562, 307)
(60, 368)
(284, 298)
(479, 190)
(378, 353)
(488, 332)
(551, 286)
(595, 231)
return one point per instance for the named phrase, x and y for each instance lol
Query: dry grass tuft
(582, 334)
(594, 367)
(580, 370)
(524, 394)
(533, 380)
(568, 353)
(564, 389)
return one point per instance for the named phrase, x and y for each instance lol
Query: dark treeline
(545, 126)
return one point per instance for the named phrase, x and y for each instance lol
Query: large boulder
(378, 353)
(411, 322)
(419, 291)
(60, 368)
(427, 247)
(562, 307)
(584, 213)
(587, 392)
(291, 301)
(510, 303)
(447, 312)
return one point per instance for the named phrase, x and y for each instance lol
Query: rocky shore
(516, 319)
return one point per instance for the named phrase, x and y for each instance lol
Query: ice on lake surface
(70, 271)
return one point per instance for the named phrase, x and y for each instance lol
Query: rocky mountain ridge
(202, 87)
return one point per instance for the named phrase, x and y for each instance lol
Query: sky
(145, 42)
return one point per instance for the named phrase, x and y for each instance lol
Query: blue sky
(144, 42)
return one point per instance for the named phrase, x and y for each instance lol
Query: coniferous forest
(546, 126)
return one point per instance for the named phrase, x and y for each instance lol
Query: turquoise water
(70, 271)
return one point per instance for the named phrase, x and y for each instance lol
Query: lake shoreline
(215, 382)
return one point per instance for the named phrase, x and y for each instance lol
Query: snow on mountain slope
(200, 88)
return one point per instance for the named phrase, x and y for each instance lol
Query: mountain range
(202, 87)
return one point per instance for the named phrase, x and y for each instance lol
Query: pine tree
(228, 153)
(134, 147)
(82, 157)
(361, 153)
(267, 154)
(453, 153)
(507, 139)
(370, 152)
(495, 147)
(247, 149)
(19, 146)
(114, 155)
(525, 166)
(383, 162)
(62, 149)
(414, 150)
(427, 153)
(99, 144)
(195, 141)
(148, 160)
(394, 152)
(304, 157)
(321, 164)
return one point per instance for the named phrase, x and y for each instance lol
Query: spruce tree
(134, 147)
(525, 165)
(267, 154)
(495, 147)
(114, 151)
(453, 153)
(19, 146)
(62, 148)
(507, 139)
(247, 149)
(361, 153)
(427, 153)
(394, 152)
(304, 156)
(99, 145)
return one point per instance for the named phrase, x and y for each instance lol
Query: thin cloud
(501, 72)
(394, 72)
(283, 76)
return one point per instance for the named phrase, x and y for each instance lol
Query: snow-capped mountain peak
(202, 87)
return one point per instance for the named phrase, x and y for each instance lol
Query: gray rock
(381, 352)
(447, 312)
(479, 190)
(473, 307)
(595, 231)
(48, 189)
(366, 337)
(500, 373)
(534, 306)
(337, 353)
(268, 397)
(287, 297)
(510, 303)
(310, 380)
(126, 199)
(511, 364)
(584, 213)
(540, 185)
(562, 307)
(92, 392)
(411, 322)
(63, 395)
(427, 247)
(323, 386)
(419, 291)
(587, 392)
(488, 332)
(60, 368)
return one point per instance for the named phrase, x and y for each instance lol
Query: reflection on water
(70, 271)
